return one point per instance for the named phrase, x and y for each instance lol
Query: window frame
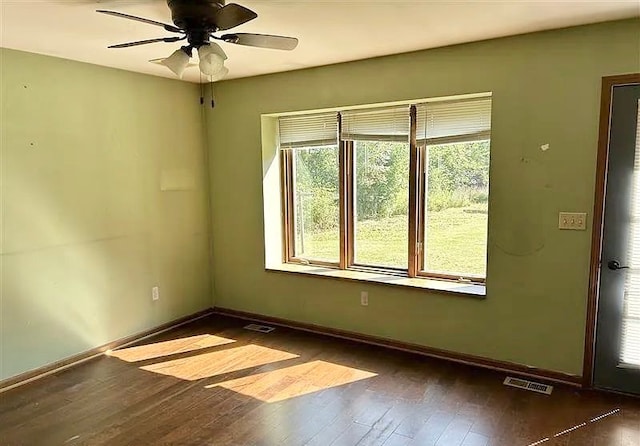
(287, 180)
(416, 212)
(421, 176)
(349, 148)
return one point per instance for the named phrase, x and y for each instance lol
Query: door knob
(615, 265)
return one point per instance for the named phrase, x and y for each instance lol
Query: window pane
(455, 239)
(381, 214)
(316, 203)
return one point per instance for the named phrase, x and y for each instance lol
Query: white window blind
(631, 317)
(308, 130)
(379, 124)
(454, 121)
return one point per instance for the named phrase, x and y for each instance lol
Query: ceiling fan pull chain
(201, 90)
(213, 102)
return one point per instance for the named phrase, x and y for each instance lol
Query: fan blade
(144, 42)
(232, 15)
(169, 28)
(262, 41)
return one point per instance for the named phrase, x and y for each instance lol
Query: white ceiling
(330, 31)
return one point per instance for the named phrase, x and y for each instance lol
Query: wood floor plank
(433, 429)
(213, 383)
(397, 440)
(353, 435)
(455, 433)
(330, 433)
(473, 439)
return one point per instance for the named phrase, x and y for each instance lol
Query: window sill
(441, 286)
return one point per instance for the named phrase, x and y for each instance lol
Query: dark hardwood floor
(212, 383)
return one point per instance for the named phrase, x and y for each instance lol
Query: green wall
(103, 196)
(546, 89)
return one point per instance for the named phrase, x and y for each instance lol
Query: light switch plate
(573, 221)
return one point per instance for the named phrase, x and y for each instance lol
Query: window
(401, 189)
(316, 203)
(456, 208)
(312, 198)
(453, 144)
(378, 142)
(380, 211)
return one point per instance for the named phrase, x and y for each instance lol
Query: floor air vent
(260, 328)
(528, 385)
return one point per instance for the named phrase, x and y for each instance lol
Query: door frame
(606, 97)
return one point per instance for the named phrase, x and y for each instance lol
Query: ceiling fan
(198, 22)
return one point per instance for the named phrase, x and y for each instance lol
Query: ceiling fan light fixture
(220, 75)
(177, 62)
(214, 48)
(212, 65)
(211, 60)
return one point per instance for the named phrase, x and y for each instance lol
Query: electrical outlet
(364, 298)
(573, 221)
(155, 293)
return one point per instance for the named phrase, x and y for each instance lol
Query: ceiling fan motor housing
(197, 17)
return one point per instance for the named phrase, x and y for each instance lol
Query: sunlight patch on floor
(172, 347)
(211, 364)
(298, 380)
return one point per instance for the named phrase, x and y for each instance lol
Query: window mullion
(350, 207)
(292, 202)
(423, 161)
(342, 165)
(284, 188)
(346, 199)
(414, 172)
(287, 205)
